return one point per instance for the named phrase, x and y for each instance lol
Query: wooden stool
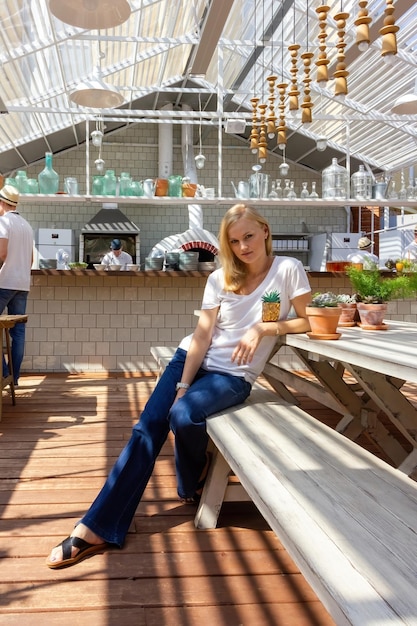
(7, 322)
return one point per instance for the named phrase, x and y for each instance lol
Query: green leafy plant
(372, 287)
(77, 265)
(271, 296)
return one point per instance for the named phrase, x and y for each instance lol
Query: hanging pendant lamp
(96, 94)
(406, 104)
(91, 14)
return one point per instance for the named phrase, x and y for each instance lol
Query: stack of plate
(207, 266)
(154, 263)
(172, 260)
(47, 264)
(189, 261)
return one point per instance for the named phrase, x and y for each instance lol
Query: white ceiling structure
(217, 52)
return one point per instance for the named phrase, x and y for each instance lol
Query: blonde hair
(234, 270)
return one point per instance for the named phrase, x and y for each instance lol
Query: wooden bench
(348, 520)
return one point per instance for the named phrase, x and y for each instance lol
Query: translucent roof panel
(150, 59)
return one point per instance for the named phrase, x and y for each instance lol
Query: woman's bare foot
(57, 558)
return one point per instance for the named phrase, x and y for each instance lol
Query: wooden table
(380, 362)
(7, 322)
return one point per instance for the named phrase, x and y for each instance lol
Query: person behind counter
(364, 254)
(16, 254)
(410, 251)
(212, 369)
(117, 256)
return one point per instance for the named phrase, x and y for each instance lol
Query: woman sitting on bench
(212, 369)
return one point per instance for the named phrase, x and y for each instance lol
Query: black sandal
(85, 550)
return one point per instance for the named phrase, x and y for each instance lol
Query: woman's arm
(199, 345)
(251, 339)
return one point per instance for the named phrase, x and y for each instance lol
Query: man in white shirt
(410, 251)
(16, 255)
(116, 256)
(364, 254)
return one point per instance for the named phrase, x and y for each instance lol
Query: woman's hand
(245, 349)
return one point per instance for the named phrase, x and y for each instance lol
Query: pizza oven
(195, 239)
(109, 223)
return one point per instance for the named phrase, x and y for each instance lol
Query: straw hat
(9, 195)
(364, 242)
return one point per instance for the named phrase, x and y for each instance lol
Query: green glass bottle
(48, 179)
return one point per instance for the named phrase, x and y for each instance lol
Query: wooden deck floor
(56, 447)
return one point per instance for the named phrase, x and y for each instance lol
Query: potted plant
(373, 291)
(347, 303)
(271, 304)
(323, 314)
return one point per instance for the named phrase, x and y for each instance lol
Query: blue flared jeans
(112, 511)
(15, 301)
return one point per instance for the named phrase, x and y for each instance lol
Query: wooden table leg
(7, 380)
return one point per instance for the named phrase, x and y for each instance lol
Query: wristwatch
(182, 386)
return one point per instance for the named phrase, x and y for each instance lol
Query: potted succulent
(373, 291)
(347, 303)
(323, 314)
(271, 304)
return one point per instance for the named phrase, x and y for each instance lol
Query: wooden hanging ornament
(362, 26)
(306, 105)
(271, 119)
(322, 61)
(254, 135)
(388, 31)
(293, 92)
(341, 72)
(282, 129)
(262, 144)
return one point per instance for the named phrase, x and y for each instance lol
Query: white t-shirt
(410, 251)
(366, 258)
(15, 271)
(111, 259)
(238, 313)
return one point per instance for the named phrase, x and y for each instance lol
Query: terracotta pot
(348, 312)
(188, 190)
(372, 315)
(323, 322)
(270, 311)
(161, 187)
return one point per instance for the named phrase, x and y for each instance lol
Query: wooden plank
(169, 591)
(306, 510)
(284, 614)
(57, 415)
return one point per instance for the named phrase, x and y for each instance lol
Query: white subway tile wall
(102, 323)
(136, 151)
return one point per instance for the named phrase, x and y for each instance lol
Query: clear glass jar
(109, 183)
(278, 189)
(393, 193)
(286, 189)
(97, 186)
(124, 183)
(48, 179)
(361, 184)
(272, 194)
(291, 194)
(313, 195)
(21, 181)
(410, 189)
(304, 191)
(335, 181)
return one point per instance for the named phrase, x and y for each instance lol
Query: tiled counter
(82, 320)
